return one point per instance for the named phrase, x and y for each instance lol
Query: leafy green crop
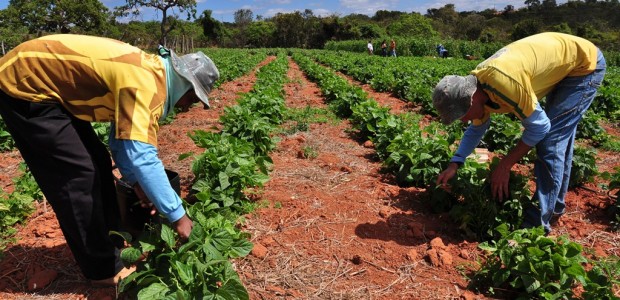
(417, 157)
(18, 205)
(503, 134)
(477, 213)
(6, 141)
(198, 269)
(227, 166)
(527, 264)
(584, 168)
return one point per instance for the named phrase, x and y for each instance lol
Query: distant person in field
(442, 51)
(370, 47)
(384, 49)
(53, 87)
(393, 48)
(565, 69)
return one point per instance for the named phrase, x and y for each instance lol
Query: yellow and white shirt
(523, 72)
(96, 79)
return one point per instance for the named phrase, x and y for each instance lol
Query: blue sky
(223, 10)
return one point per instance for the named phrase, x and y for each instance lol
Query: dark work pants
(74, 170)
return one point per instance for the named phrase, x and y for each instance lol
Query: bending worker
(565, 69)
(52, 87)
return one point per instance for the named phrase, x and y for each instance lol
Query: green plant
(102, 130)
(170, 117)
(527, 264)
(417, 157)
(309, 152)
(503, 134)
(6, 141)
(614, 193)
(610, 143)
(583, 169)
(477, 213)
(602, 279)
(198, 269)
(226, 167)
(243, 123)
(303, 117)
(589, 127)
(18, 205)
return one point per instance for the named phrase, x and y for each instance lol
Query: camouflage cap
(198, 69)
(453, 96)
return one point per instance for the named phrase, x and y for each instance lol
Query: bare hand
(446, 175)
(144, 200)
(500, 177)
(183, 227)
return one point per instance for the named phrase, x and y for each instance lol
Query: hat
(453, 96)
(198, 69)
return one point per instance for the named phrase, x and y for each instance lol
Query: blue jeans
(565, 106)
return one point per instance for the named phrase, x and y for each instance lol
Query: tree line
(181, 27)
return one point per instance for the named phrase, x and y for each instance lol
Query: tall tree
(412, 25)
(288, 27)
(444, 19)
(211, 28)
(243, 18)
(168, 22)
(57, 16)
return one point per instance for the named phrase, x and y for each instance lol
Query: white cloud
(368, 7)
(322, 12)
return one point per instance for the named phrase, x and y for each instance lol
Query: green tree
(563, 27)
(370, 31)
(243, 18)
(288, 28)
(260, 33)
(471, 26)
(532, 4)
(167, 23)
(211, 28)
(411, 25)
(526, 28)
(549, 4)
(444, 19)
(57, 16)
(139, 34)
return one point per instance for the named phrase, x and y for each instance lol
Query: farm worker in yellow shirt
(52, 87)
(565, 69)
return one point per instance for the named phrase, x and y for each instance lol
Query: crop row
(234, 159)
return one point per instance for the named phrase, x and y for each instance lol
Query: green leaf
(183, 156)
(154, 291)
(573, 249)
(241, 247)
(500, 276)
(575, 270)
(147, 247)
(130, 255)
(167, 235)
(232, 290)
(535, 251)
(185, 272)
(224, 180)
(530, 283)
